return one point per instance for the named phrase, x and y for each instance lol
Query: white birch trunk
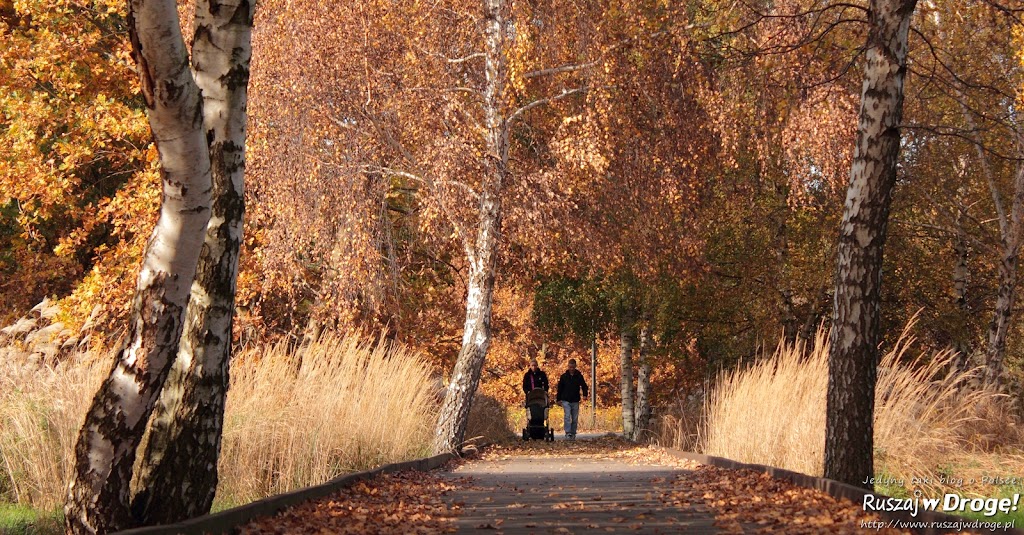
(482, 252)
(643, 388)
(853, 357)
(1007, 292)
(626, 343)
(1009, 248)
(114, 424)
(179, 470)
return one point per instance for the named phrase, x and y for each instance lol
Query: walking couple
(572, 388)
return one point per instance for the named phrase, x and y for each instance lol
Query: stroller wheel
(551, 435)
(526, 435)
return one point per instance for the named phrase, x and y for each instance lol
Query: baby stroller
(537, 416)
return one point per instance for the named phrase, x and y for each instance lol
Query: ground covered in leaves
(399, 503)
(739, 501)
(656, 493)
(745, 501)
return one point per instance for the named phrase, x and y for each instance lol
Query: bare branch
(540, 102)
(959, 133)
(558, 70)
(426, 178)
(465, 58)
(453, 61)
(987, 171)
(412, 176)
(469, 90)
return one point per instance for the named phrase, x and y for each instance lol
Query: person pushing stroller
(535, 378)
(535, 386)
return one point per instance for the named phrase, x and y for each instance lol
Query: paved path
(572, 493)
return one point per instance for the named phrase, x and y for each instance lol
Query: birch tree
(504, 101)
(853, 357)
(481, 253)
(969, 184)
(643, 386)
(198, 120)
(105, 450)
(627, 339)
(179, 468)
(1006, 252)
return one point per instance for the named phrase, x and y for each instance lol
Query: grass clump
(929, 421)
(292, 420)
(341, 405)
(41, 410)
(23, 520)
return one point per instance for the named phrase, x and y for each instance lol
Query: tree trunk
(643, 388)
(179, 469)
(476, 339)
(1006, 294)
(962, 344)
(1010, 238)
(818, 310)
(593, 380)
(482, 253)
(996, 351)
(853, 357)
(626, 359)
(105, 452)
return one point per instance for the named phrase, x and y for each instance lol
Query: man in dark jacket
(535, 378)
(569, 387)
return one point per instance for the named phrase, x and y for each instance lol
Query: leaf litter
(399, 503)
(741, 501)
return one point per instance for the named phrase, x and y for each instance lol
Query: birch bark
(626, 343)
(105, 451)
(482, 251)
(179, 469)
(853, 357)
(643, 387)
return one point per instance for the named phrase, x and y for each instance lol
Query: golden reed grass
(291, 421)
(773, 412)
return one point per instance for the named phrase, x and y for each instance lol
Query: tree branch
(540, 102)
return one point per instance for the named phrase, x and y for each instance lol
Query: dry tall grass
(41, 410)
(290, 422)
(773, 412)
(344, 406)
(680, 425)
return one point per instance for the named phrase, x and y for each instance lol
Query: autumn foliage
(77, 180)
(668, 166)
(679, 166)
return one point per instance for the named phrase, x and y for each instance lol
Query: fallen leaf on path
(392, 504)
(738, 497)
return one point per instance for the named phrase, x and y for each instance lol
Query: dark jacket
(569, 386)
(535, 380)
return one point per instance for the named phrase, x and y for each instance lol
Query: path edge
(836, 490)
(228, 519)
